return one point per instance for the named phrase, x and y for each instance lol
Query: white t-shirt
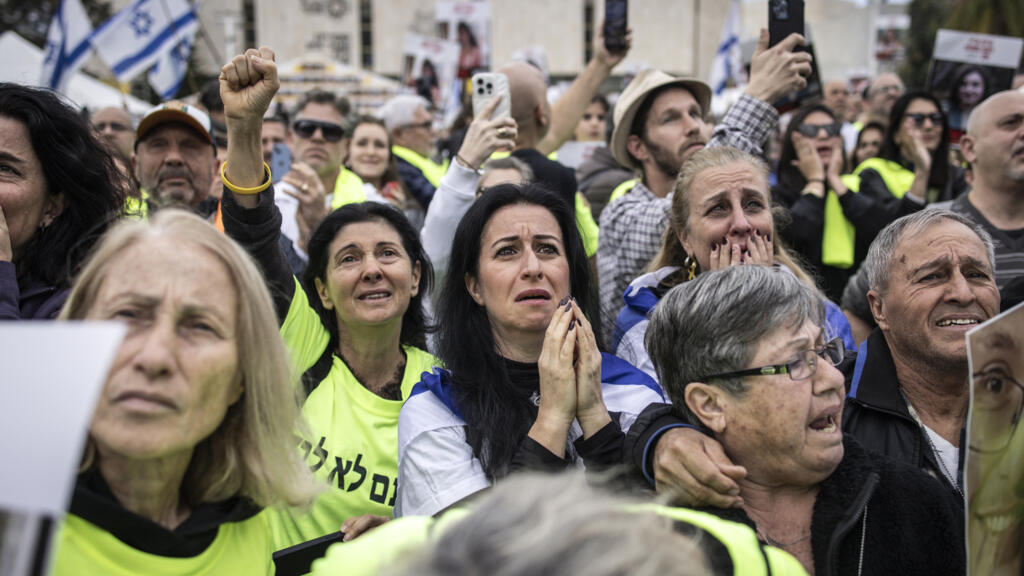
(947, 453)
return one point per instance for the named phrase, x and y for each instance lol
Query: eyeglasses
(801, 367)
(113, 126)
(306, 128)
(997, 406)
(935, 117)
(888, 88)
(426, 124)
(812, 130)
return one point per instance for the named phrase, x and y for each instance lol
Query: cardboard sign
(995, 459)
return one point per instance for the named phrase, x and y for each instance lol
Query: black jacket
(874, 515)
(875, 414)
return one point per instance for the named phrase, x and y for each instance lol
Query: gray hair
(713, 324)
(880, 257)
(401, 110)
(506, 163)
(543, 524)
(509, 163)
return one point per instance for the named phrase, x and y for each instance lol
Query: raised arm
(568, 109)
(774, 73)
(247, 84)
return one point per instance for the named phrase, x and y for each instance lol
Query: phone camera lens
(490, 86)
(480, 90)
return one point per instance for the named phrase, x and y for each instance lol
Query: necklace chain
(778, 544)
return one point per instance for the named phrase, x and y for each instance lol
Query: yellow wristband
(240, 190)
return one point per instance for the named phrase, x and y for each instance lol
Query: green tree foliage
(926, 17)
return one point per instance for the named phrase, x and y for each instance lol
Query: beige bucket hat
(633, 97)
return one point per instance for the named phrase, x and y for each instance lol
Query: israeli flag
(136, 37)
(168, 73)
(728, 60)
(67, 44)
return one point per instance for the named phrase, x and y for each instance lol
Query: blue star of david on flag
(141, 23)
(181, 51)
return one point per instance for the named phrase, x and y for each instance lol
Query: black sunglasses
(306, 128)
(919, 119)
(811, 130)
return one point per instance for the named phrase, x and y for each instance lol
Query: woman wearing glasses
(913, 168)
(744, 354)
(813, 148)
(721, 217)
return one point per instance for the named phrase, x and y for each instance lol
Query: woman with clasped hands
(743, 353)
(525, 386)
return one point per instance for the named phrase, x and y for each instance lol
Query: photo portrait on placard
(995, 461)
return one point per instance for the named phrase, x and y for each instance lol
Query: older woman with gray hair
(743, 353)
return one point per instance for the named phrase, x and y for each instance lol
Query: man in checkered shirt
(659, 124)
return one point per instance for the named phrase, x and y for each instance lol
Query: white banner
(984, 49)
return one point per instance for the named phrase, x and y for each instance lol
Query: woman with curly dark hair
(59, 191)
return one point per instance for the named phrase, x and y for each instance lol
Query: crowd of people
(383, 344)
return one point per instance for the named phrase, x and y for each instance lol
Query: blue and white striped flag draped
(137, 36)
(67, 44)
(728, 60)
(166, 76)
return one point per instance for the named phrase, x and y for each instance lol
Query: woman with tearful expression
(721, 216)
(525, 386)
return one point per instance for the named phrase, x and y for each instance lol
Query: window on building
(366, 33)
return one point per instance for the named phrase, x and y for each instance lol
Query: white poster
(469, 24)
(52, 375)
(430, 66)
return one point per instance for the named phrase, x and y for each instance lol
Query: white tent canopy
(21, 62)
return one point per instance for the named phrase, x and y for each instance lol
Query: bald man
(532, 113)
(994, 145)
(115, 126)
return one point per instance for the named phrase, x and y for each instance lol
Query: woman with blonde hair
(721, 216)
(192, 434)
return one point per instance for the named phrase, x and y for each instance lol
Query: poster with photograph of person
(995, 461)
(469, 24)
(429, 66)
(966, 68)
(891, 31)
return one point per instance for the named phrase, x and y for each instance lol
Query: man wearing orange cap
(175, 158)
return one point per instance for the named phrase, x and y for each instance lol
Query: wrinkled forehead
(942, 242)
